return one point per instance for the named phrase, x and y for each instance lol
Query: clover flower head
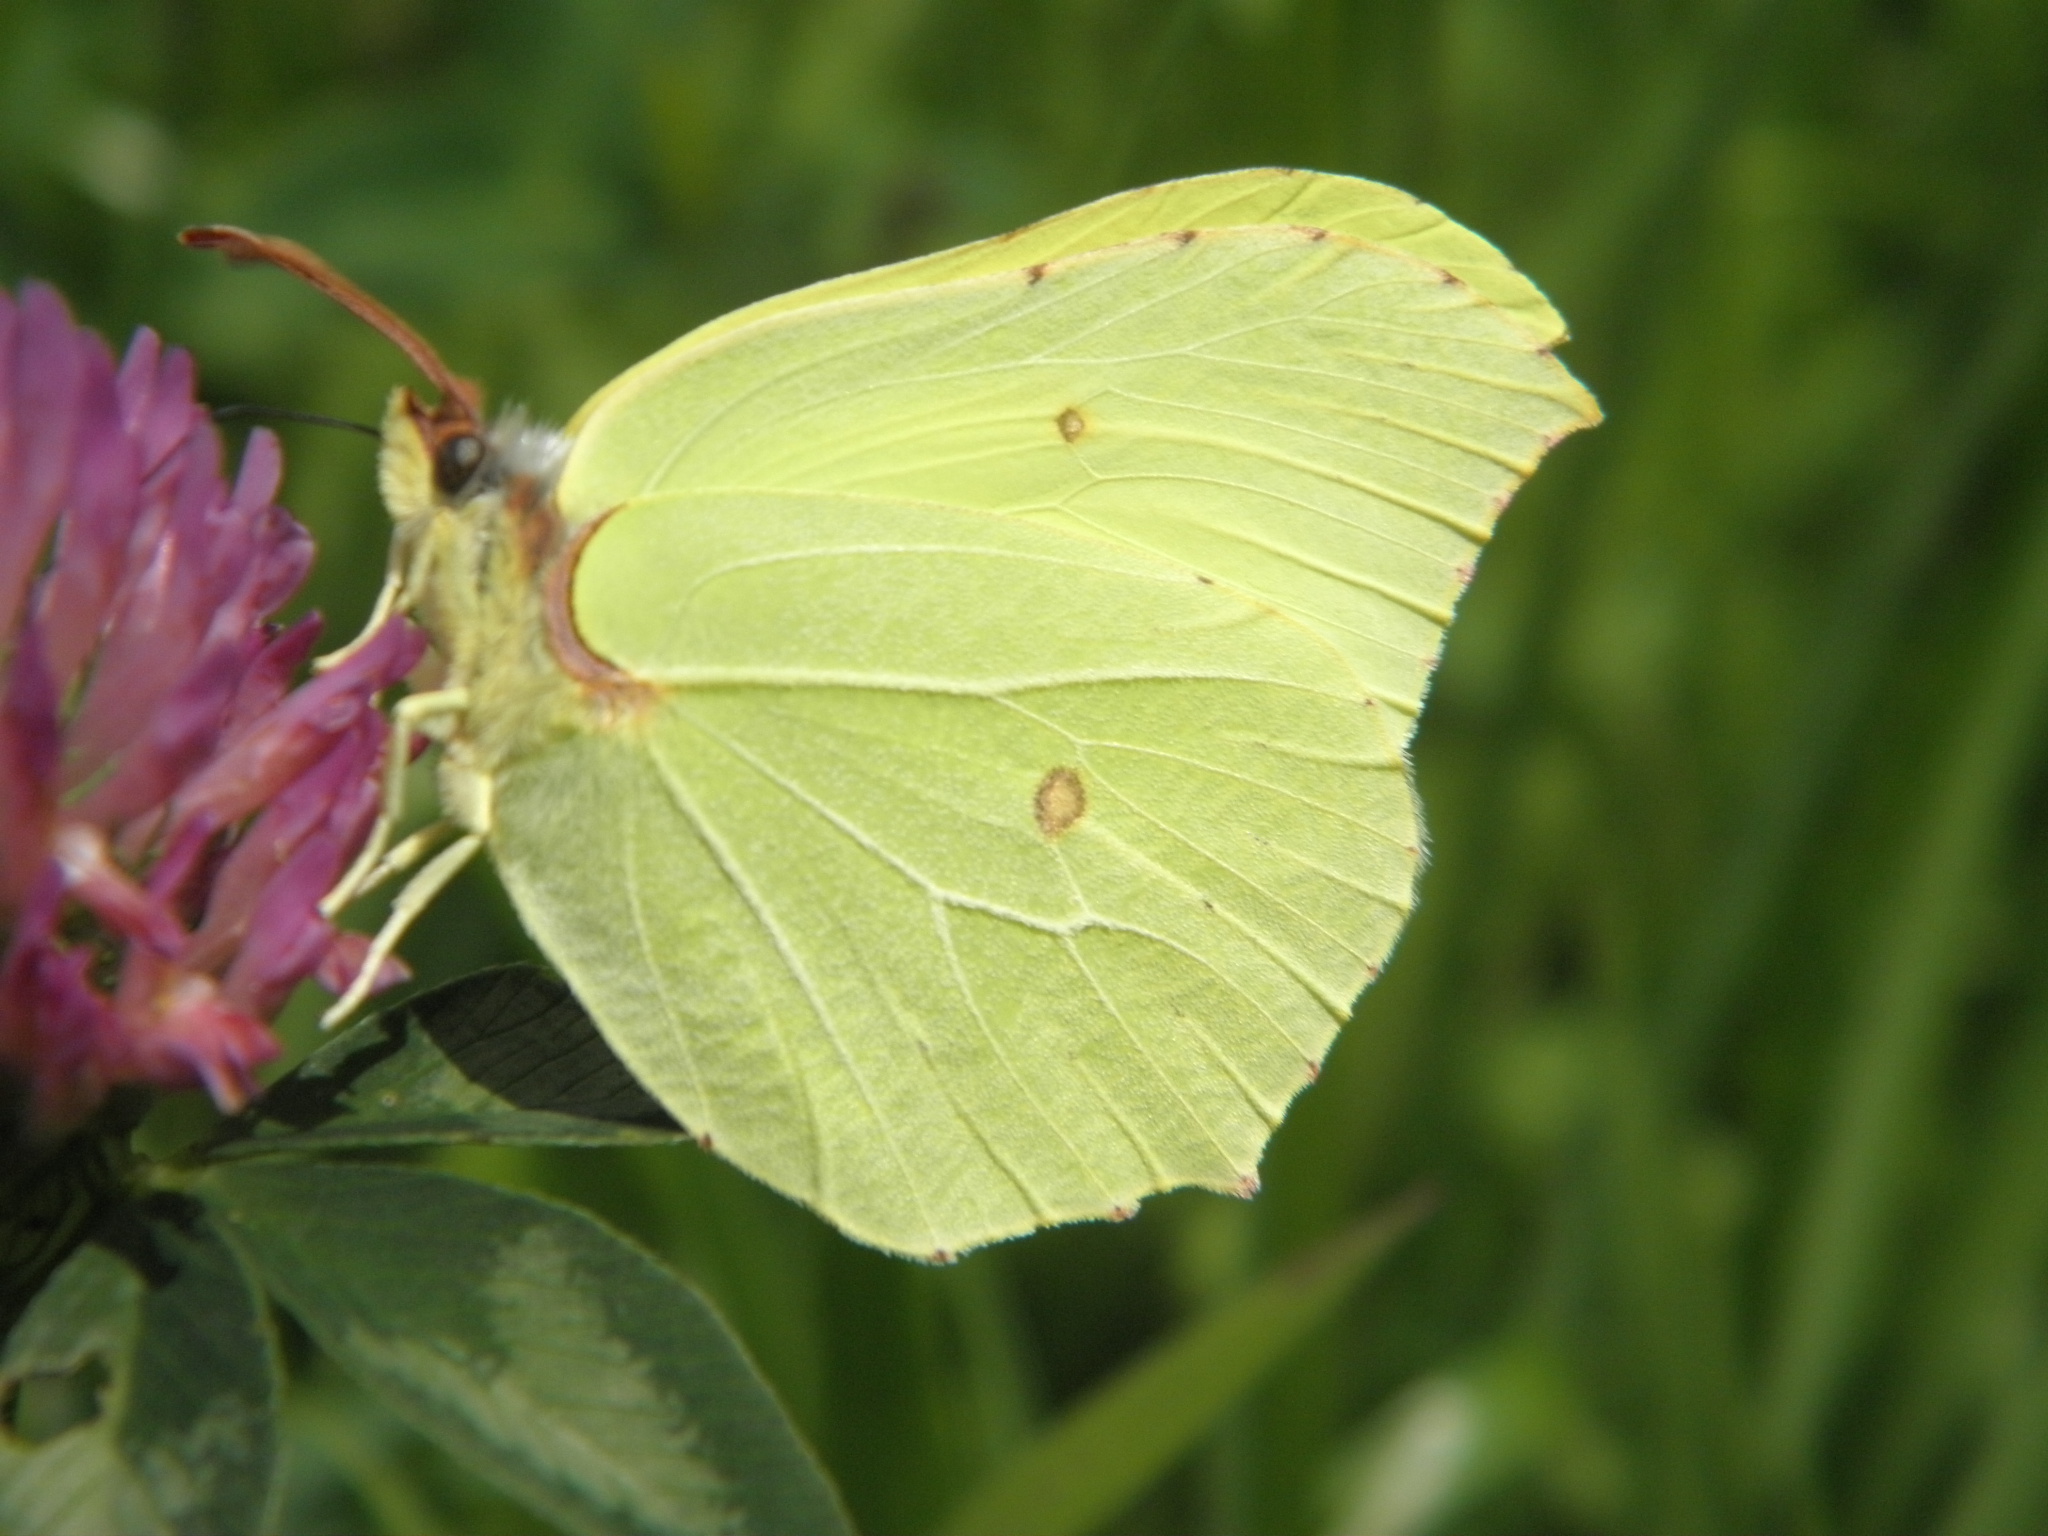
(172, 808)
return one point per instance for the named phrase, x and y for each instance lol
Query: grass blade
(1107, 1450)
(1897, 1023)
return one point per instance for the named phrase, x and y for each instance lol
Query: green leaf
(50, 1197)
(550, 1354)
(1108, 1449)
(505, 1055)
(141, 1388)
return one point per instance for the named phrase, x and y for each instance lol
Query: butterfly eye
(455, 461)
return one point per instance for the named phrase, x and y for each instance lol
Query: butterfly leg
(407, 716)
(403, 855)
(418, 894)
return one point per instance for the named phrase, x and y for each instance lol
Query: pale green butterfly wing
(1175, 524)
(1344, 205)
(968, 876)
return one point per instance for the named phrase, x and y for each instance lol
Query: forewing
(963, 874)
(1326, 427)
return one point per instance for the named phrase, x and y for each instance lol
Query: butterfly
(949, 724)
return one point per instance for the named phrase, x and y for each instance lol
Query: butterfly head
(442, 457)
(429, 456)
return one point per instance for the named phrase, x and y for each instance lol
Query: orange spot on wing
(1061, 800)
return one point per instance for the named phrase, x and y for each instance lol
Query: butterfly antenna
(240, 245)
(283, 413)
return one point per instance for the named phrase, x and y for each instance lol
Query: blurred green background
(1722, 1031)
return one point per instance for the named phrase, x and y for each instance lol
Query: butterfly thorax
(481, 558)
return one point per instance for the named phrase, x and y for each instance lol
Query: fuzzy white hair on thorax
(521, 447)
